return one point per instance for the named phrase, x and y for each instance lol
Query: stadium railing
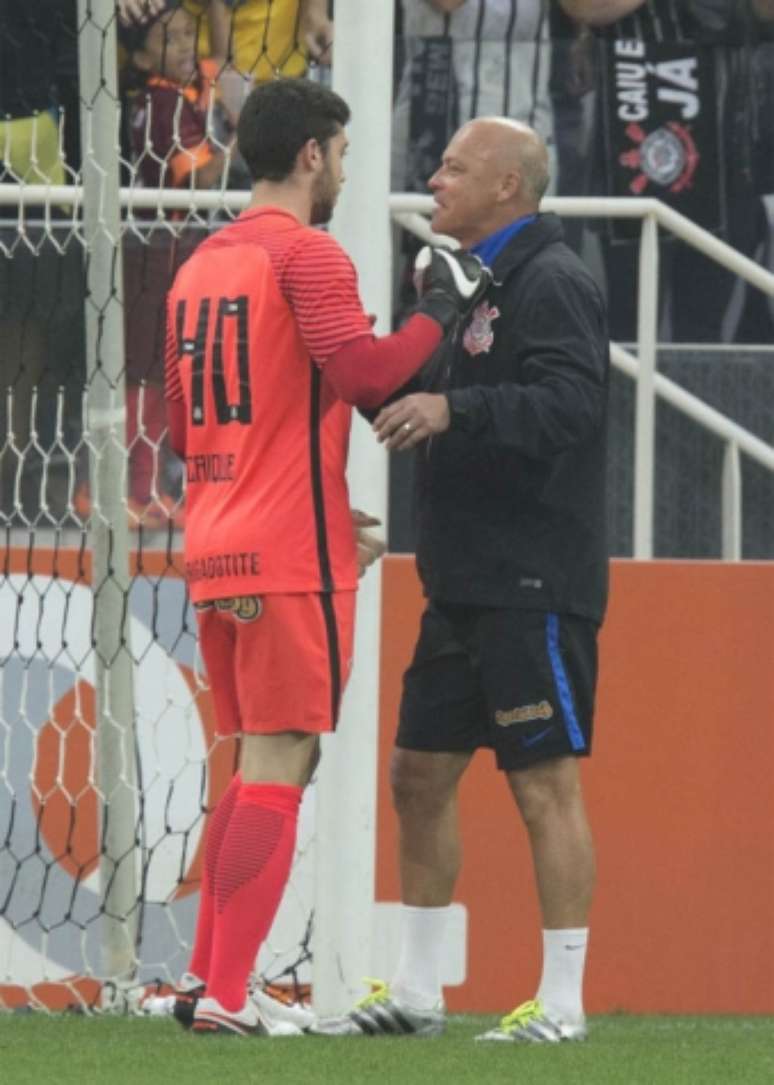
(410, 212)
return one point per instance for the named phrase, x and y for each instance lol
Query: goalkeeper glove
(450, 283)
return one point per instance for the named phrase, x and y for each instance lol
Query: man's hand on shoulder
(410, 420)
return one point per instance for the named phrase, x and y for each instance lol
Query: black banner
(663, 135)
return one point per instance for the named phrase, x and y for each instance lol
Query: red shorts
(277, 662)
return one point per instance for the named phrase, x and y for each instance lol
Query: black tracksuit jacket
(511, 498)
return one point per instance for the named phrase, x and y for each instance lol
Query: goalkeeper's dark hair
(279, 117)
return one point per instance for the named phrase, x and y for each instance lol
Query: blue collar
(490, 248)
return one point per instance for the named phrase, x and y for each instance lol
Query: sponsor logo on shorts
(527, 713)
(247, 608)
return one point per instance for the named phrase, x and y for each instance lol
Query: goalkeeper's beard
(324, 196)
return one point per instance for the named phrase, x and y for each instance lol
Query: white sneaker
(276, 1013)
(530, 1024)
(256, 1018)
(211, 1019)
(381, 1014)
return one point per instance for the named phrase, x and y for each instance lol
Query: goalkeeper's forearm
(365, 371)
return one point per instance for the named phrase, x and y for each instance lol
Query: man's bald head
(495, 170)
(512, 145)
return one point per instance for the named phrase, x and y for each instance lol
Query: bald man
(512, 557)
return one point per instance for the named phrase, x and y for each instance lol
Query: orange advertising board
(679, 788)
(680, 791)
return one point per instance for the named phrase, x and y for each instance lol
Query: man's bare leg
(550, 800)
(425, 798)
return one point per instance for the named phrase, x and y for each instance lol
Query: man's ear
(510, 186)
(311, 156)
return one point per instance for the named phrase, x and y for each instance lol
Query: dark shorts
(519, 681)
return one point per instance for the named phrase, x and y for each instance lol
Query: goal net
(109, 764)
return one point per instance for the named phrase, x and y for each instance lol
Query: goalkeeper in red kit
(268, 347)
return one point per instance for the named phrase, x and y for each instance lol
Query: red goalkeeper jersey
(253, 316)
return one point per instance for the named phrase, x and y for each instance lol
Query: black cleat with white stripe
(187, 994)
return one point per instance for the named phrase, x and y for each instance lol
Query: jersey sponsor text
(215, 566)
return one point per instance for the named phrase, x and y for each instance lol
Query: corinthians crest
(667, 157)
(478, 337)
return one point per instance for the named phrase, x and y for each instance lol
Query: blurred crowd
(666, 98)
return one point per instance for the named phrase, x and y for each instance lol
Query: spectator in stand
(169, 126)
(247, 42)
(256, 40)
(251, 40)
(465, 59)
(262, 40)
(727, 124)
(168, 115)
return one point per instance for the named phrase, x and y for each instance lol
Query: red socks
(200, 959)
(253, 864)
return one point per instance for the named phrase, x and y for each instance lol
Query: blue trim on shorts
(562, 684)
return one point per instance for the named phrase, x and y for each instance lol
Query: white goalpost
(114, 735)
(346, 790)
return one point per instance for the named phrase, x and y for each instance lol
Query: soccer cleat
(187, 994)
(211, 1019)
(530, 1024)
(380, 1014)
(277, 1015)
(261, 1015)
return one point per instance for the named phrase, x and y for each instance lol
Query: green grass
(72, 1050)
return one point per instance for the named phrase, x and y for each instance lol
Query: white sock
(417, 979)
(561, 985)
